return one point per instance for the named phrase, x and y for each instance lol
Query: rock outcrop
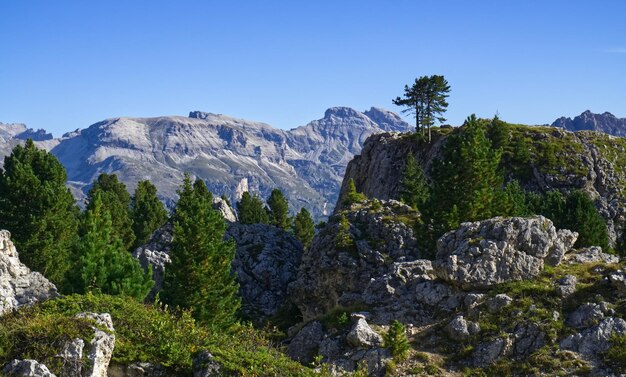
(266, 261)
(379, 265)
(19, 286)
(155, 254)
(26, 368)
(584, 160)
(482, 254)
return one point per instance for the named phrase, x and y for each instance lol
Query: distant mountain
(232, 155)
(605, 122)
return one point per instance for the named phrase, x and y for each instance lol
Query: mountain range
(232, 155)
(605, 122)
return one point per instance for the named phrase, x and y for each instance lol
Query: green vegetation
(103, 264)
(279, 210)
(199, 276)
(116, 201)
(343, 239)
(426, 100)
(147, 212)
(251, 210)
(352, 196)
(38, 210)
(144, 333)
(304, 228)
(396, 341)
(414, 189)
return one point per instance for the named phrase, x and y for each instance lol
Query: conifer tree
(104, 265)
(304, 227)
(343, 239)
(250, 210)
(116, 201)
(396, 341)
(147, 212)
(468, 175)
(279, 210)
(583, 217)
(38, 210)
(414, 189)
(199, 276)
(352, 196)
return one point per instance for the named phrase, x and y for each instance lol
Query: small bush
(396, 341)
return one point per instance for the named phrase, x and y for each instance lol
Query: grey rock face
(26, 368)
(305, 345)
(587, 315)
(498, 302)
(527, 339)
(487, 353)
(227, 212)
(72, 356)
(205, 365)
(266, 261)
(460, 329)
(156, 255)
(101, 345)
(362, 336)
(381, 268)
(19, 286)
(597, 339)
(591, 254)
(618, 281)
(566, 285)
(605, 122)
(481, 254)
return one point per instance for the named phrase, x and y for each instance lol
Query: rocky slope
(558, 159)
(232, 155)
(605, 122)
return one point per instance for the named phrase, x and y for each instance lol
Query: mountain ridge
(229, 153)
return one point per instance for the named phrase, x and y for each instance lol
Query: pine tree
(396, 341)
(414, 189)
(343, 239)
(468, 175)
(147, 212)
(304, 227)
(583, 217)
(279, 210)
(116, 201)
(104, 265)
(352, 196)
(199, 276)
(38, 210)
(250, 210)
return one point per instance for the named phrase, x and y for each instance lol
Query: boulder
(460, 329)
(488, 352)
(362, 336)
(593, 254)
(155, 254)
(618, 281)
(26, 368)
(596, 339)
(305, 345)
(19, 286)
(527, 338)
(101, 345)
(588, 315)
(498, 302)
(566, 286)
(482, 254)
(205, 365)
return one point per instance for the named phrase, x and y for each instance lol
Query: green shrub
(396, 341)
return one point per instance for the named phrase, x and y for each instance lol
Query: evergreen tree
(304, 227)
(38, 210)
(279, 210)
(104, 265)
(396, 341)
(512, 201)
(352, 196)
(116, 201)
(499, 133)
(414, 189)
(583, 217)
(251, 210)
(343, 239)
(552, 205)
(199, 276)
(467, 176)
(147, 212)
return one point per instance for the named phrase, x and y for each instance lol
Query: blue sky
(68, 64)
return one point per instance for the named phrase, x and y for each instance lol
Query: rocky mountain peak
(200, 115)
(342, 112)
(387, 120)
(605, 122)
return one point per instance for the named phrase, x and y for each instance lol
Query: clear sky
(68, 64)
